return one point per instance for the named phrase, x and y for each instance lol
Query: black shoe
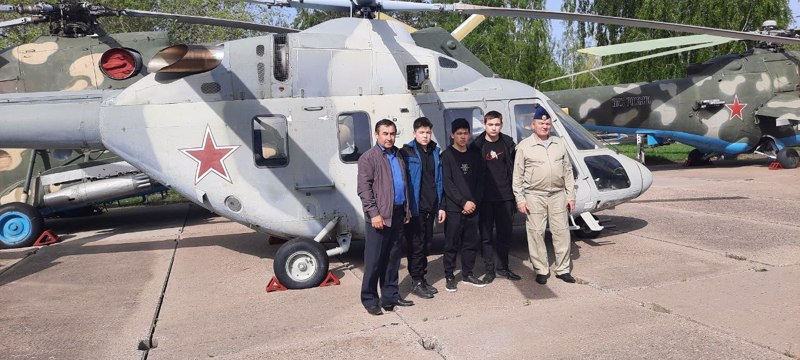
(374, 310)
(398, 302)
(473, 280)
(430, 288)
(566, 277)
(541, 279)
(450, 284)
(508, 274)
(488, 278)
(420, 290)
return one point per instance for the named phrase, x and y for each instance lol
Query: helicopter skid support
(591, 222)
(343, 239)
(344, 244)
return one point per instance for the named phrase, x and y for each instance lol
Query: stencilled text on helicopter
(631, 101)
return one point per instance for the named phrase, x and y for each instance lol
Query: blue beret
(540, 112)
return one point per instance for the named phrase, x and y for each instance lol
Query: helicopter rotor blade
(394, 5)
(649, 24)
(664, 53)
(204, 20)
(648, 45)
(21, 21)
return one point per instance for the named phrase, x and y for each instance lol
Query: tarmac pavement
(704, 265)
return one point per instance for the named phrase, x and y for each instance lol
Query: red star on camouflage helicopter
(210, 157)
(736, 108)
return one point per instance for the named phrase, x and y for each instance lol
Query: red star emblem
(736, 108)
(210, 158)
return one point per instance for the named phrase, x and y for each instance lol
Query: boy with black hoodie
(462, 177)
(498, 206)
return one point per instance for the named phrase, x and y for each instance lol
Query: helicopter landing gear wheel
(696, 158)
(585, 232)
(301, 264)
(788, 158)
(20, 225)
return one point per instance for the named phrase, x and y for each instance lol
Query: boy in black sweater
(462, 178)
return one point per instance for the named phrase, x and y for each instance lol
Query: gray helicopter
(78, 54)
(267, 130)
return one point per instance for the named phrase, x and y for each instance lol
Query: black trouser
(419, 234)
(498, 215)
(460, 235)
(382, 252)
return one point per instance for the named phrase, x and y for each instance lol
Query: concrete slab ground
(704, 265)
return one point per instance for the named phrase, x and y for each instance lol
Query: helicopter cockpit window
(583, 139)
(354, 135)
(473, 115)
(607, 173)
(523, 116)
(270, 141)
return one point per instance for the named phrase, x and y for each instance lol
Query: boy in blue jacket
(425, 200)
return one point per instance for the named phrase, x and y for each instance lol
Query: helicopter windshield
(583, 139)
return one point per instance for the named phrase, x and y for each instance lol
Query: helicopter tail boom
(59, 121)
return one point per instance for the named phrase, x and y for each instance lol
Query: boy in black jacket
(498, 206)
(462, 177)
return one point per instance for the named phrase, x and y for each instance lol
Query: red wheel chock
(330, 280)
(47, 238)
(775, 166)
(275, 285)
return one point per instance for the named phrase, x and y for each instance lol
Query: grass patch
(674, 153)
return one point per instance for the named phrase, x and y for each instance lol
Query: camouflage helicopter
(732, 104)
(266, 130)
(77, 55)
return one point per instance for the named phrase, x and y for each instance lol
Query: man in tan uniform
(544, 190)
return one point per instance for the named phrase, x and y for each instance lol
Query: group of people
(473, 188)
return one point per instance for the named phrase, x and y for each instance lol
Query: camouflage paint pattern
(53, 63)
(726, 105)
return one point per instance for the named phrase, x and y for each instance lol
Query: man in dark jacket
(383, 192)
(497, 208)
(425, 198)
(462, 175)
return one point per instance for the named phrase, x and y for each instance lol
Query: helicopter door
(312, 137)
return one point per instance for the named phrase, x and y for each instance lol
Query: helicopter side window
(607, 173)
(354, 136)
(270, 141)
(473, 115)
(523, 116)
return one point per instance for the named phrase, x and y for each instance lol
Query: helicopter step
(303, 263)
(586, 226)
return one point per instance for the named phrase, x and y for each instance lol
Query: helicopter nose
(647, 177)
